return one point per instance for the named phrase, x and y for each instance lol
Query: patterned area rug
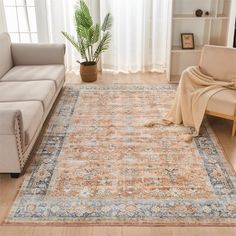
(99, 164)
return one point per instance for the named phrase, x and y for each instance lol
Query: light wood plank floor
(9, 187)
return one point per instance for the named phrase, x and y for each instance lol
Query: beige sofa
(31, 77)
(220, 62)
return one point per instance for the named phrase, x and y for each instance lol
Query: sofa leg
(234, 127)
(15, 175)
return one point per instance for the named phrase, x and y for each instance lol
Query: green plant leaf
(84, 8)
(82, 32)
(90, 35)
(71, 39)
(82, 48)
(80, 19)
(103, 45)
(107, 22)
(79, 46)
(96, 33)
(83, 16)
(93, 34)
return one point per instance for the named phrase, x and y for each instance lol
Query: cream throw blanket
(193, 93)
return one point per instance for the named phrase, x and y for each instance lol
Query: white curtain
(139, 33)
(60, 14)
(3, 24)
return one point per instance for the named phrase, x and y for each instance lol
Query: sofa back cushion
(219, 62)
(37, 54)
(5, 54)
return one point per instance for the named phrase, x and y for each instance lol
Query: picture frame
(187, 41)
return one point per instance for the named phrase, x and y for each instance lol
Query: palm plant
(89, 34)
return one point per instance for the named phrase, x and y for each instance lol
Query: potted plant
(89, 35)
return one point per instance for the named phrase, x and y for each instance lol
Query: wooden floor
(9, 187)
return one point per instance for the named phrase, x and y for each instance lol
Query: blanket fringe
(186, 137)
(159, 122)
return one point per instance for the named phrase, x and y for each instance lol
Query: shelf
(211, 29)
(178, 49)
(193, 17)
(221, 17)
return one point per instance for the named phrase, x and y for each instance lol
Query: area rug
(98, 164)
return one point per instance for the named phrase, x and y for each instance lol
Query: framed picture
(187, 40)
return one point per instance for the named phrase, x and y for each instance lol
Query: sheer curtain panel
(3, 24)
(139, 35)
(60, 16)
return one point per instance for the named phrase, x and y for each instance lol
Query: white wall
(232, 23)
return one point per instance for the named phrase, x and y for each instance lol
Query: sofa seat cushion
(55, 73)
(223, 102)
(32, 114)
(42, 91)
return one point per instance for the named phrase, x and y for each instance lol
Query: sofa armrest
(11, 141)
(11, 123)
(37, 54)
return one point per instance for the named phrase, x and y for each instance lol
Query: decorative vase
(199, 13)
(88, 71)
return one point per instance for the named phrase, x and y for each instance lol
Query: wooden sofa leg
(15, 175)
(234, 127)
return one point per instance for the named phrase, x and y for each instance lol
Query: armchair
(220, 63)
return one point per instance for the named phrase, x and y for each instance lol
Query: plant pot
(88, 71)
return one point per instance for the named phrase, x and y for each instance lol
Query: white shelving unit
(211, 29)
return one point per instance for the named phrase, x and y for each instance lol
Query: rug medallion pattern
(98, 164)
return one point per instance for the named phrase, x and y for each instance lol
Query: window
(21, 20)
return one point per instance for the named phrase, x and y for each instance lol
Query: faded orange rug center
(99, 164)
